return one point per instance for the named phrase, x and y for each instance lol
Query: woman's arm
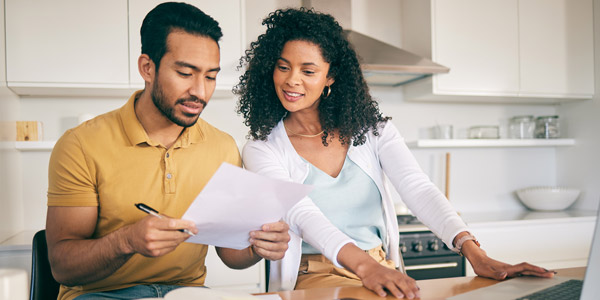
(415, 188)
(307, 221)
(425, 200)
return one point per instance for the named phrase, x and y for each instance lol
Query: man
(156, 150)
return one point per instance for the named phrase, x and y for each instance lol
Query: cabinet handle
(431, 266)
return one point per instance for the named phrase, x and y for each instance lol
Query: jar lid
(547, 117)
(524, 117)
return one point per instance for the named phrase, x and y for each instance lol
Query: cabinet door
(226, 12)
(67, 42)
(556, 38)
(549, 244)
(219, 276)
(478, 40)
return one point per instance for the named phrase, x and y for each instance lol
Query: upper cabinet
(226, 12)
(523, 51)
(87, 48)
(66, 44)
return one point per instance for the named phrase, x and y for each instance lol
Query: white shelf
(35, 146)
(427, 143)
(45, 89)
(489, 143)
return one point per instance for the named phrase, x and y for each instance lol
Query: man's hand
(153, 236)
(76, 258)
(271, 241)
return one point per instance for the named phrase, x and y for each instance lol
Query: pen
(149, 210)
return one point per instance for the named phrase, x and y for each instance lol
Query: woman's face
(300, 76)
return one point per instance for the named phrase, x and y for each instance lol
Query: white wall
(580, 166)
(480, 179)
(11, 212)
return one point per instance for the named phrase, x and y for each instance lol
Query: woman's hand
(375, 276)
(378, 279)
(487, 267)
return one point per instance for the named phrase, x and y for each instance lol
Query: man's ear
(146, 67)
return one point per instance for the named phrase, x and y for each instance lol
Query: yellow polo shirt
(110, 162)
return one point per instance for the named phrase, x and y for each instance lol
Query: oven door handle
(431, 266)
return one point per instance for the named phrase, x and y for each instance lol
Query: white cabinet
(477, 40)
(89, 48)
(219, 276)
(226, 12)
(556, 48)
(551, 243)
(66, 44)
(506, 50)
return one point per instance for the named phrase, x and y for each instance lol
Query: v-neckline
(289, 142)
(325, 173)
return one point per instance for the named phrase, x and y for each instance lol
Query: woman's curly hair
(349, 107)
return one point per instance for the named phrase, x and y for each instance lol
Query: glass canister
(547, 127)
(521, 127)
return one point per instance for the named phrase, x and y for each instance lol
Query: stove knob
(433, 245)
(417, 246)
(403, 248)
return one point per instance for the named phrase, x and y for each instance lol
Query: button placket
(169, 173)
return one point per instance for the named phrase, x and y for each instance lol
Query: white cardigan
(383, 154)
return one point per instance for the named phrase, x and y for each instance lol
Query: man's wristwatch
(462, 240)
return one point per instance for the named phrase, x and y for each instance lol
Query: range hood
(386, 65)
(382, 63)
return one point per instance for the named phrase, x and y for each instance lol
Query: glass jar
(521, 127)
(483, 132)
(547, 127)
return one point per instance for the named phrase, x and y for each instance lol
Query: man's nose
(198, 89)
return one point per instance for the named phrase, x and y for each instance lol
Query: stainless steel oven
(425, 255)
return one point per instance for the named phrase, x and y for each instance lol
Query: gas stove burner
(408, 220)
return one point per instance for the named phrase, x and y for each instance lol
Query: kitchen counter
(527, 216)
(430, 289)
(514, 217)
(20, 241)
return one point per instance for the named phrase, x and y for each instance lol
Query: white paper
(236, 201)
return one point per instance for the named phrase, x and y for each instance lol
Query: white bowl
(548, 198)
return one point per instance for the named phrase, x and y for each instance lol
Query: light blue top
(351, 201)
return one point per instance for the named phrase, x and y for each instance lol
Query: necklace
(303, 135)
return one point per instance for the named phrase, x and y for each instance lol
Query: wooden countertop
(430, 289)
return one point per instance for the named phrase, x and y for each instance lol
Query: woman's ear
(330, 81)
(146, 67)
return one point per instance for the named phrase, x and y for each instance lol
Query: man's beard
(162, 104)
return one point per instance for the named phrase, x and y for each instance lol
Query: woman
(313, 121)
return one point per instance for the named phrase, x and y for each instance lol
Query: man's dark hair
(170, 16)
